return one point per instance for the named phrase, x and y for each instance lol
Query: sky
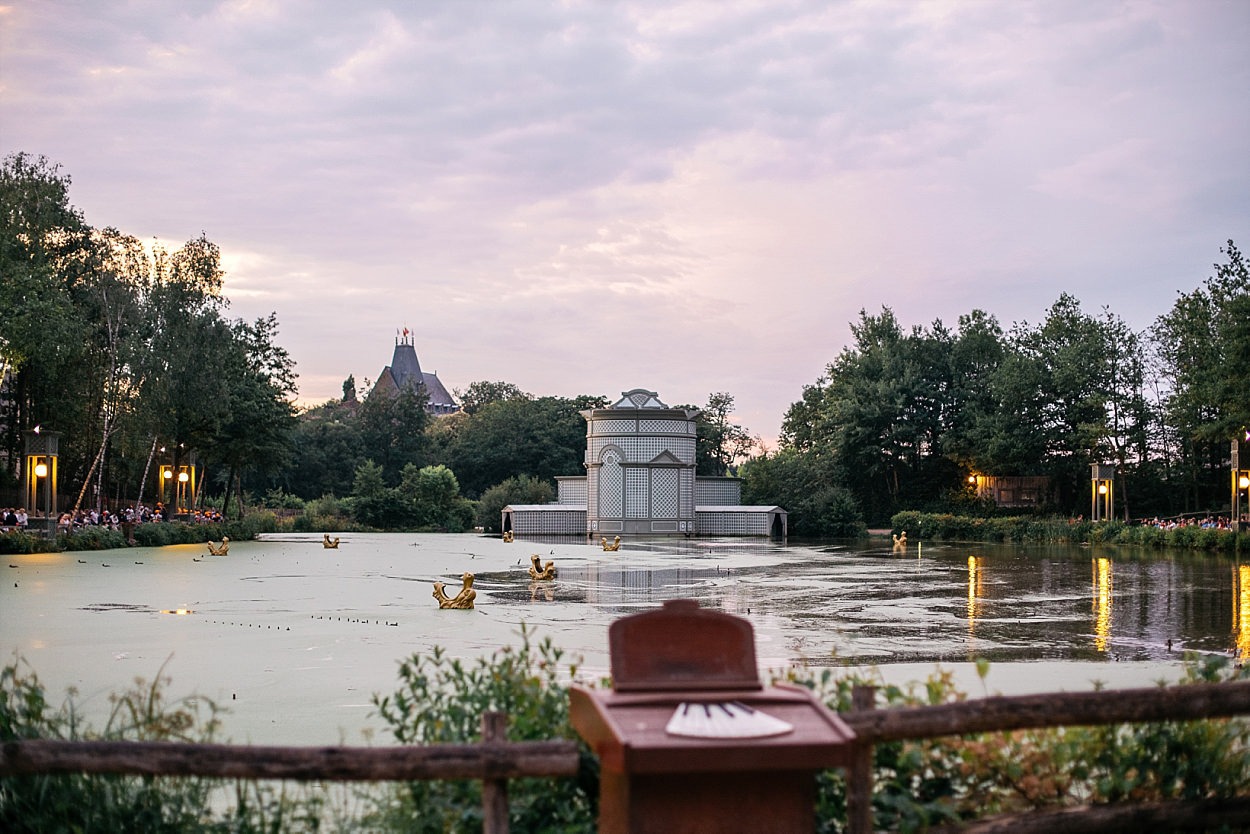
(688, 197)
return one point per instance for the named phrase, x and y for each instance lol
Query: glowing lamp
(1102, 489)
(41, 470)
(167, 474)
(972, 479)
(183, 477)
(1243, 482)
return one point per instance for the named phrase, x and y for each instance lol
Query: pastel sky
(588, 197)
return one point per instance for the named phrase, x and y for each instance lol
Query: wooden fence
(495, 760)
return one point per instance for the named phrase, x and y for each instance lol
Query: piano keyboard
(732, 719)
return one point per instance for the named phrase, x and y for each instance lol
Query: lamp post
(1240, 484)
(40, 476)
(1102, 492)
(1241, 487)
(185, 490)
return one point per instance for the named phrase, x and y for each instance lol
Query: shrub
(441, 700)
(16, 542)
(177, 805)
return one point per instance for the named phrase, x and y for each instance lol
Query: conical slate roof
(405, 372)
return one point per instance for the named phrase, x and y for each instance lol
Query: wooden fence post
(859, 774)
(494, 791)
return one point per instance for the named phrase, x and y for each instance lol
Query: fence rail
(495, 760)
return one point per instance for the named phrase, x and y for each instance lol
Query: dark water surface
(295, 640)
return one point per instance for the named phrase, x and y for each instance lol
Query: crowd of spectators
(1206, 523)
(13, 519)
(16, 519)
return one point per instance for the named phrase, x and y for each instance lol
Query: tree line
(901, 417)
(126, 349)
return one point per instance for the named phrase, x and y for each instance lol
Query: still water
(294, 640)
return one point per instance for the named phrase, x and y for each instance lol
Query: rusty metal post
(859, 774)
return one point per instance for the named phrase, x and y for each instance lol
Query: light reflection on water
(296, 639)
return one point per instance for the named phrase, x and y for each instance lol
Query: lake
(294, 639)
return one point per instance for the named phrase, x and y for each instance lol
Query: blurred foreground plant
(80, 802)
(441, 701)
(926, 782)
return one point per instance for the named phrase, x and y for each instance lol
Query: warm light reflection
(179, 611)
(974, 593)
(1241, 611)
(1102, 603)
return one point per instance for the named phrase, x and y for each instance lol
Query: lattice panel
(722, 493)
(613, 426)
(549, 522)
(636, 497)
(733, 524)
(644, 449)
(664, 493)
(687, 493)
(572, 491)
(666, 427)
(611, 486)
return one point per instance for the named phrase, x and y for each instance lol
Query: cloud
(582, 197)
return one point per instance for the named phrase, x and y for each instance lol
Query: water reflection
(974, 593)
(1241, 611)
(1102, 603)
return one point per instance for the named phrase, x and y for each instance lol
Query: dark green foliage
(441, 700)
(425, 499)
(327, 450)
(542, 437)
(521, 489)
(26, 543)
(807, 486)
(122, 347)
(950, 527)
(719, 442)
(921, 783)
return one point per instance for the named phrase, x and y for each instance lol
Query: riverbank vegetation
(1029, 529)
(440, 699)
(126, 349)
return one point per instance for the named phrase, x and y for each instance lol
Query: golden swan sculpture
(462, 600)
(614, 546)
(540, 571)
(219, 549)
(507, 535)
(330, 543)
(900, 541)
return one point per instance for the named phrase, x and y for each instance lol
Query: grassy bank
(1030, 529)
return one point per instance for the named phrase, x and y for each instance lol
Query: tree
(327, 448)
(482, 393)
(429, 498)
(43, 240)
(520, 489)
(880, 411)
(372, 503)
(720, 443)
(542, 437)
(807, 484)
(392, 428)
(1203, 348)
